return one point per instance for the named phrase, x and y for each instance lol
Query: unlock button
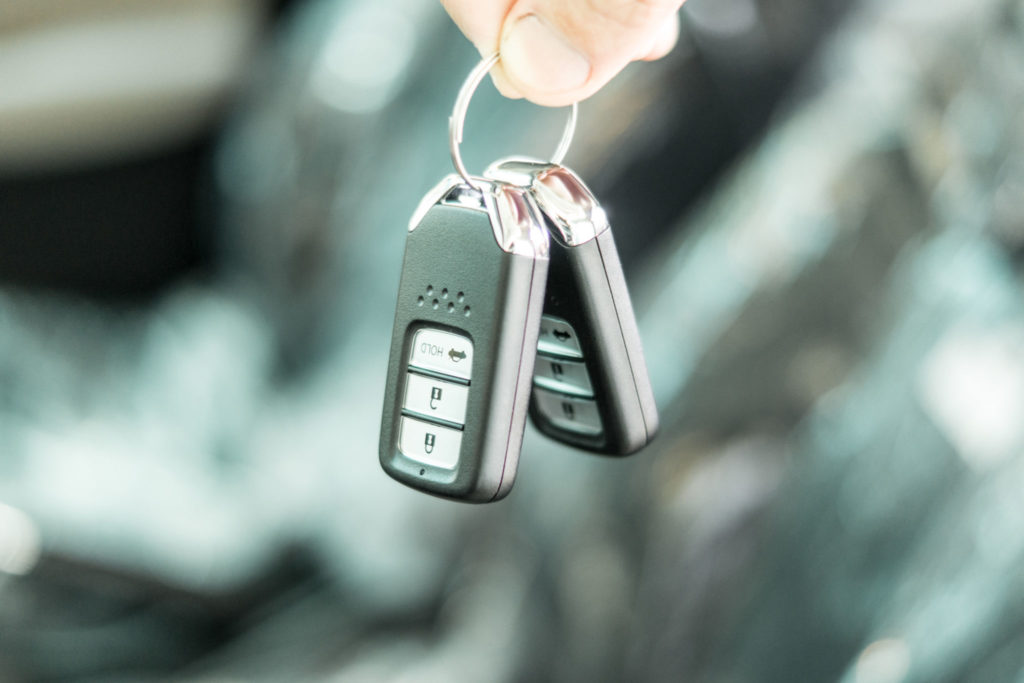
(434, 398)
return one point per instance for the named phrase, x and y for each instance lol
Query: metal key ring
(458, 118)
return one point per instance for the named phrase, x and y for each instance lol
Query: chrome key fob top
(465, 340)
(591, 387)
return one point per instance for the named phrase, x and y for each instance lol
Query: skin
(556, 52)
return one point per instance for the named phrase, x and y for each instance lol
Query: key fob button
(566, 376)
(443, 352)
(572, 414)
(435, 398)
(429, 443)
(558, 338)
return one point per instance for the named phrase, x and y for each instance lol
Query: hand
(556, 52)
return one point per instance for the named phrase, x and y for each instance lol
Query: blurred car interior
(820, 211)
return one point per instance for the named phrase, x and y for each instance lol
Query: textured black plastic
(453, 248)
(586, 288)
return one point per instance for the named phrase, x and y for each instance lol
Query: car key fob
(591, 389)
(465, 340)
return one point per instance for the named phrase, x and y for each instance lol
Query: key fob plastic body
(591, 386)
(464, 340)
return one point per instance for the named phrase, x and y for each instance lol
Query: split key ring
(458, 119)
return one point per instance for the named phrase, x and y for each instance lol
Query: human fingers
(664, 41)
(480, 21)
(556, 52)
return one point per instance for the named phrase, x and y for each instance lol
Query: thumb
(556, 52)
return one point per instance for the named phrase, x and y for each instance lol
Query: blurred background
(820, 208)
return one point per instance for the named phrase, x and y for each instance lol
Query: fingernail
(539, 58)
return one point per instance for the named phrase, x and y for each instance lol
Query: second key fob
(464, 340)
(591, 387)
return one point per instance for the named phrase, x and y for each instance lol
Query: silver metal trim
(562, 196)
(520, 225)
(436, 195)
(516, 220)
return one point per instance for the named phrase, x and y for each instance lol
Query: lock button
(435, 398)
(429, 444)
(576, 415)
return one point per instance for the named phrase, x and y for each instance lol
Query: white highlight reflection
(883, 661)
(19, 541)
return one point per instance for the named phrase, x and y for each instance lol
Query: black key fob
(591, 389)
(465, 339)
